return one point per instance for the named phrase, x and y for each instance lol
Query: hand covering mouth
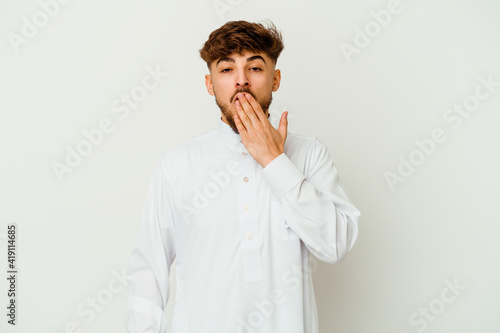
(236, 96)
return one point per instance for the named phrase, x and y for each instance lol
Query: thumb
(282, 128)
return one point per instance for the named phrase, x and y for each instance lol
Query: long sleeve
(315, 207)
(151, 259)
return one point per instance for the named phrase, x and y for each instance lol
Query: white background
(439, 224)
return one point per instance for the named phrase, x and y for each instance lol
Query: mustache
(241, 90)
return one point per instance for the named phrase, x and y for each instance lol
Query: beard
(230, 116)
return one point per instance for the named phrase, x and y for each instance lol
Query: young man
(240, 208)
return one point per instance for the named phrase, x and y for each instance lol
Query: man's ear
(276, 79)
(209, 84)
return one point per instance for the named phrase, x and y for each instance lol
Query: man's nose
(241, 79)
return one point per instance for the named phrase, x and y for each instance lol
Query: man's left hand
(260, 138)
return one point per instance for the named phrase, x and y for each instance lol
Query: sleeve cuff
(281, 175)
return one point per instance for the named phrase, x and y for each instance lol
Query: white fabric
(241, 236)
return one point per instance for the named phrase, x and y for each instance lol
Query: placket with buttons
(248, 217)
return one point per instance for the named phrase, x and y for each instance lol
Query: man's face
(251, 72)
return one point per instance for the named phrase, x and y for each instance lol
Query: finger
(256, 106)
(249, 110)
(283, 126)
(241, 128)
(242, 115)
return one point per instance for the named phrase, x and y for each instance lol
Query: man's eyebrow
(248, 59)
(256, 57)
(224, 59)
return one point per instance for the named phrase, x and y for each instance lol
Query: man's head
(242, 56)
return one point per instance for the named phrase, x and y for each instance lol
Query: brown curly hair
(241, 36)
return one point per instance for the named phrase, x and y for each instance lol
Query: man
(240, 208)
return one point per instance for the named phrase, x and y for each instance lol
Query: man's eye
(225, 70)
(256, 69)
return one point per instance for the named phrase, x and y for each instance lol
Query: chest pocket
(280, 228)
